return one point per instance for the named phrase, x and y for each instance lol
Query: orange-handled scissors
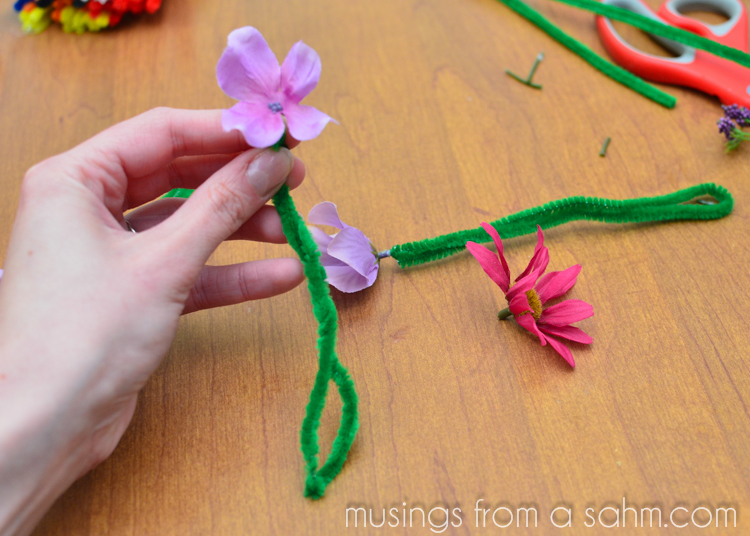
(692, 68)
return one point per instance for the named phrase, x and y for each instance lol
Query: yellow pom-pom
(35, 20)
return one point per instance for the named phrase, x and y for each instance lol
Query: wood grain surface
(455, 406)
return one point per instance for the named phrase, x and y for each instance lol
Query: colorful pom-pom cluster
(79, 16)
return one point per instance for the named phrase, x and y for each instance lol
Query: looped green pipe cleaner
(644, 209)
(329, 366)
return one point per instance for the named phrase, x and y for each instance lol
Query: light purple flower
(249, 72)
(349, 258)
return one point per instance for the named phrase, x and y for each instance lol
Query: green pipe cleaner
(329, 366)
(616, 73)
(644, 209)
(664, 30)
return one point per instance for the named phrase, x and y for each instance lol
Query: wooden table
(455, 406)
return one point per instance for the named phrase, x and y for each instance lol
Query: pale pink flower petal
(563, 350)
(348, 257)
(499, 246)
(555, 284)
(326, 213)
(347, 279)
(321, 238)
(490, 264)
(566, 312)
(248, 68)
(352, 247)
(305, 122)
(527, 321)
(257, 123)
(300, 72)
(571, 333)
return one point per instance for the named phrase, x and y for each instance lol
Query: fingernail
(268, 171)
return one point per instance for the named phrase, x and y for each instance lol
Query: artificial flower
(349, 258)
(733, 131)
(528, 295)
(270, 95)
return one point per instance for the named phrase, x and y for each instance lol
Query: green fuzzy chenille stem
(664, 30)
(613, 71)
(329, 367)
(645, 209)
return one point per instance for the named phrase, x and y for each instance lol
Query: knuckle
(246, 281)
(39, 178)
(228, 204)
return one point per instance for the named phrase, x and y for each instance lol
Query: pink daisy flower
(530, 292)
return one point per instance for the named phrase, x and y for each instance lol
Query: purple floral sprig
(730, 125)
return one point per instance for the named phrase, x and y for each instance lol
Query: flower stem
(329, 366)
(603, 152)
(505, 313)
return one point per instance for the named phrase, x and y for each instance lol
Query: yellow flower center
(535, 303)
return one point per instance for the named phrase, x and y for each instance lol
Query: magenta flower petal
(300, 72)
(347, 279)
(555, 284)
(305, 122)
(326, 213)
(540, 259)
(571, 333)
(257, 123)
(499, 245)
(522, 285)
(519, 304)
(352, 247)
(490, 264)
(248, 68)
(528, 322)
(563, 350)
(567, 312)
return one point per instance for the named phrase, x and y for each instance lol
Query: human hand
(88, 309)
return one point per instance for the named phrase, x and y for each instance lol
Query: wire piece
(603, 151)
(534, 67)
(678, 205)
(616, 73)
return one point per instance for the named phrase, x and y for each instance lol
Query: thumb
(224, 202)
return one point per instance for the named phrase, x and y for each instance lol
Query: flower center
(535, 303)
(275, 107)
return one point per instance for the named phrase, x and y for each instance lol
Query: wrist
(46, 437)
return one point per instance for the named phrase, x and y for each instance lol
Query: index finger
(152, 140)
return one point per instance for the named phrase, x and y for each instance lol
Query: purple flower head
(726, 127)
(249, 72)
(737, 113)
(349, 258)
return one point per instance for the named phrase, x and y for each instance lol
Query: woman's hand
(88, 309)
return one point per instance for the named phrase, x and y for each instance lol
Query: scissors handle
(692, 68)
(732, 33)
